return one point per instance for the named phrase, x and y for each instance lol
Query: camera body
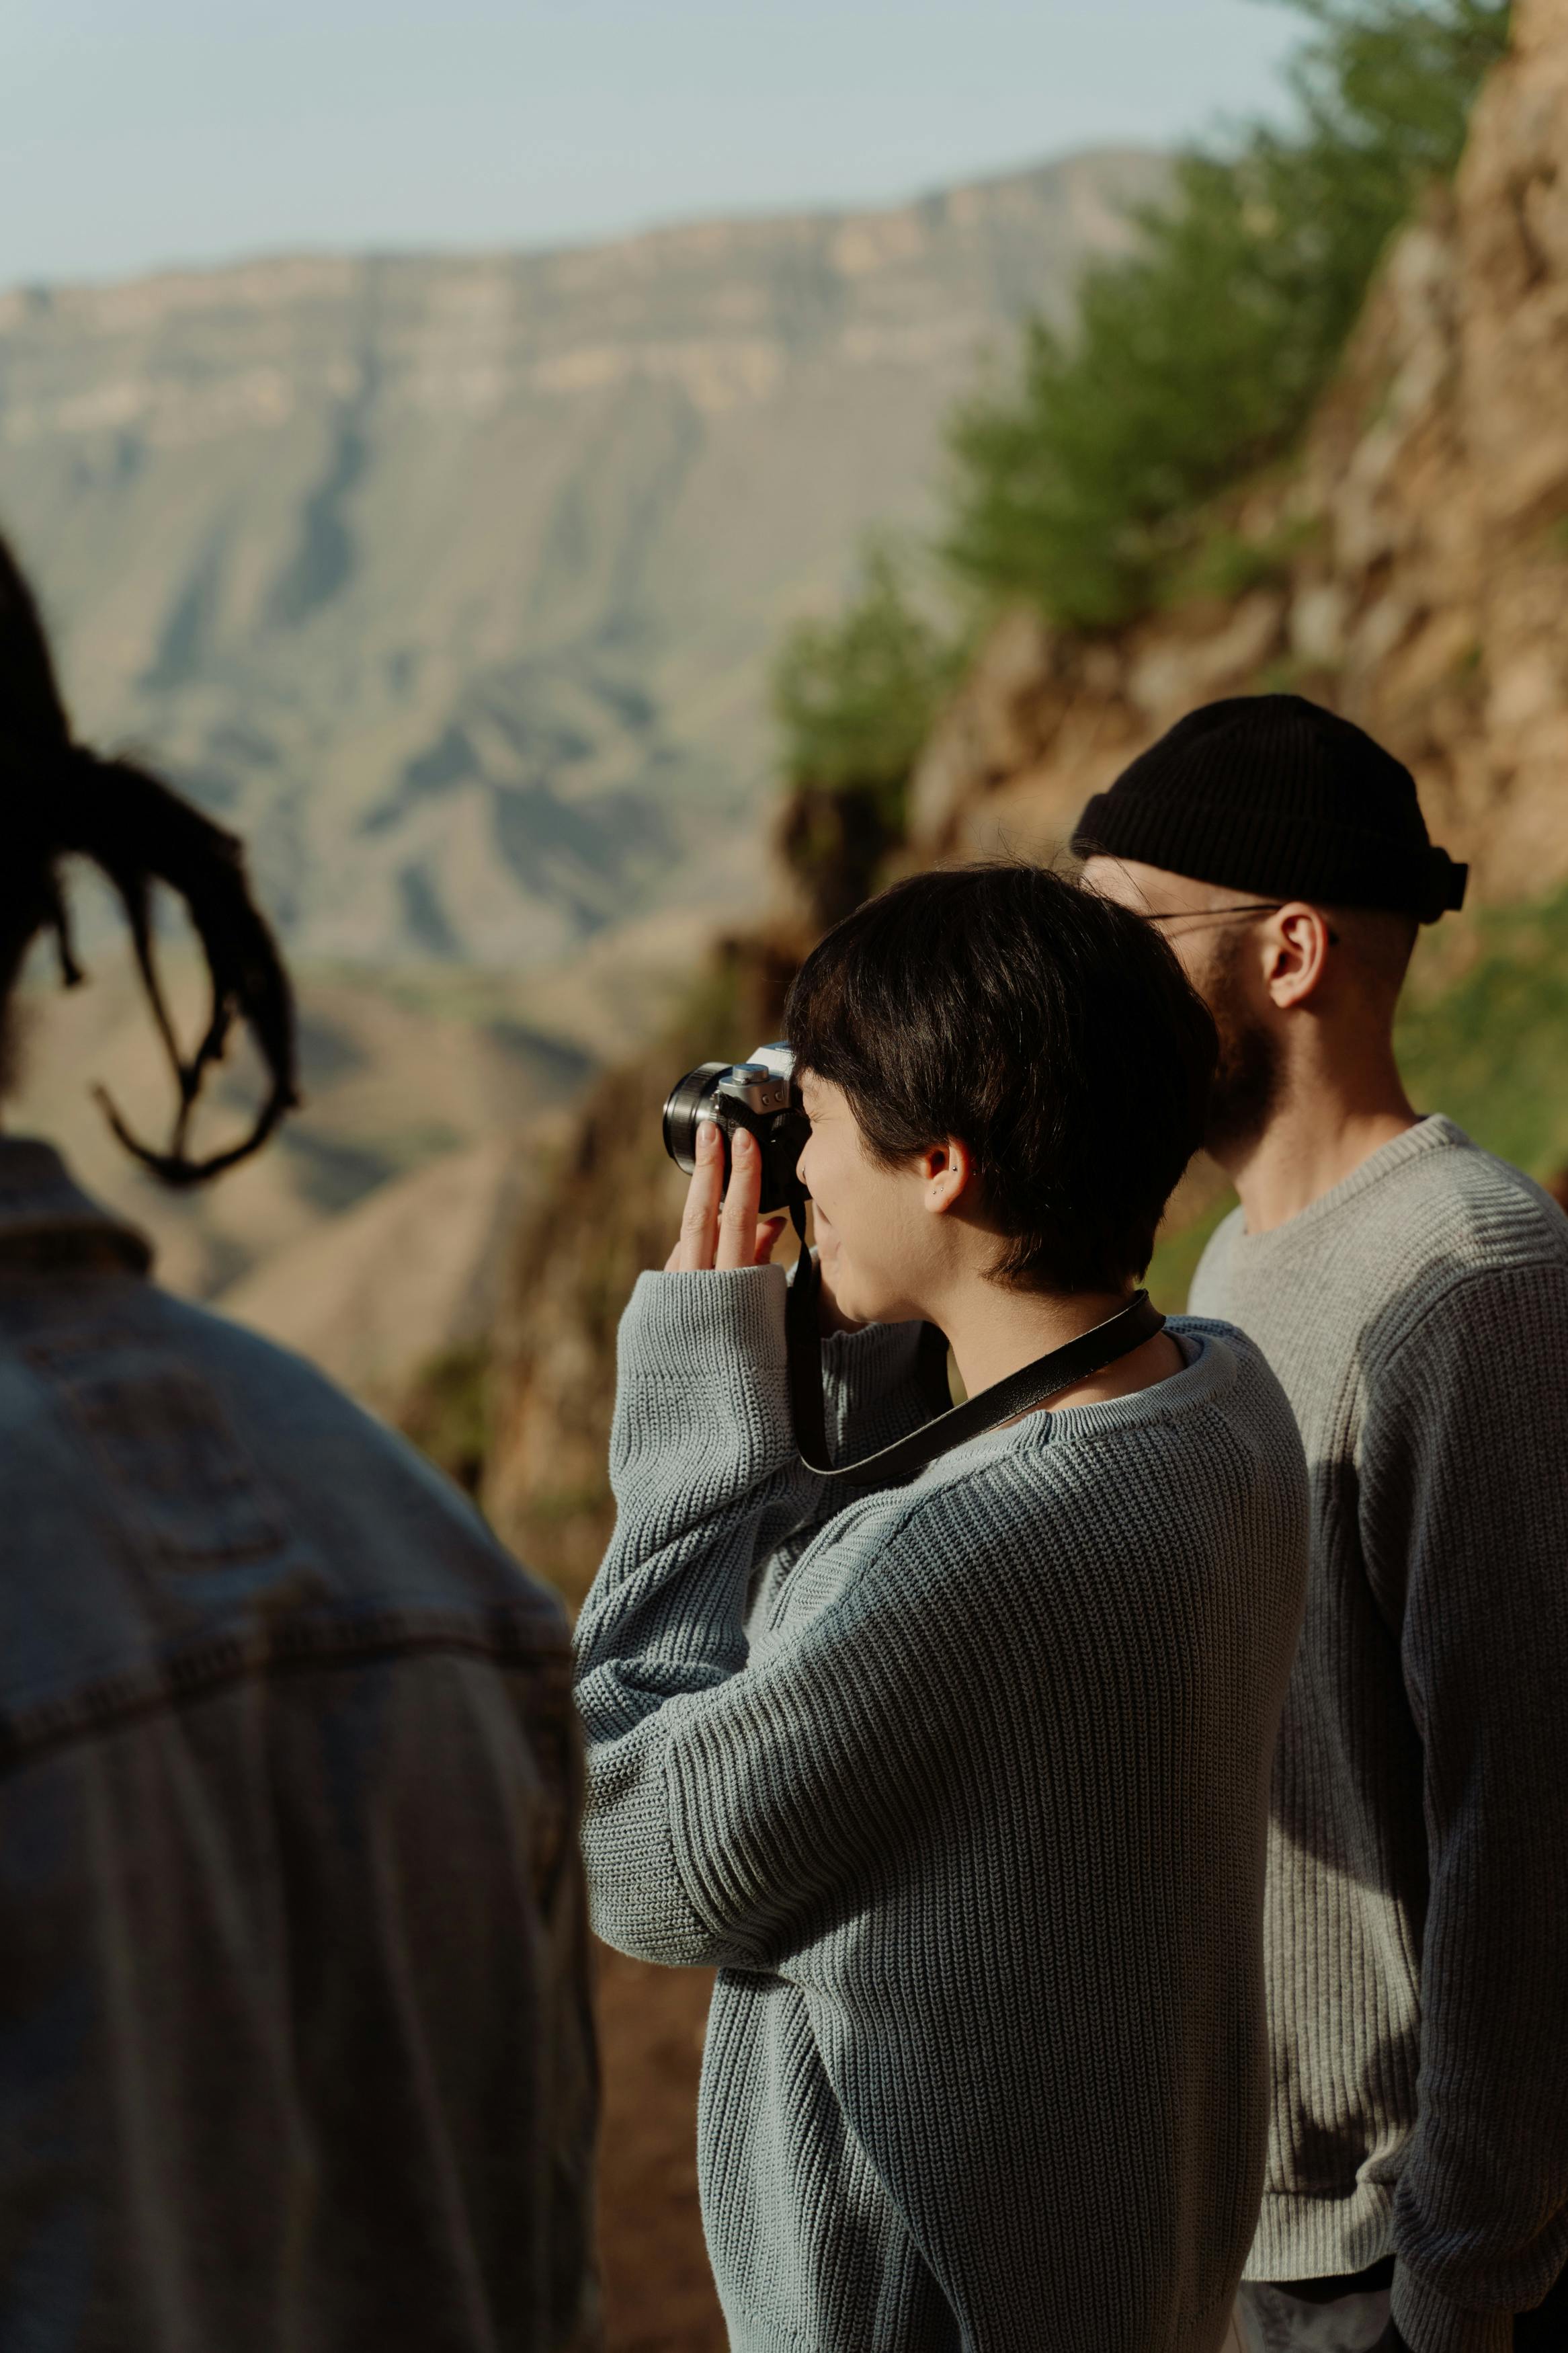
(759, 1094)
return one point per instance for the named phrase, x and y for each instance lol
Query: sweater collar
(1208, 1370)
(47, 1219)
(1434, 1134)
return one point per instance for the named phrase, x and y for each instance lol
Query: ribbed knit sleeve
(1463, 1518)
(727, 1799)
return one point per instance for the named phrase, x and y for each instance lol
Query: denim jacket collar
(46, 1217)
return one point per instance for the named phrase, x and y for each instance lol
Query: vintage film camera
(759, 1094)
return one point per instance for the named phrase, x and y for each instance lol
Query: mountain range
(450, 583)
(447, 579)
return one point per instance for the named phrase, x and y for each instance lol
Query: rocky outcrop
(1411, 570)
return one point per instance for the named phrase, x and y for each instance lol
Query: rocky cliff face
(1411, 570)
(448, 581)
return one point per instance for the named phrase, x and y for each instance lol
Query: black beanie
(1273, 794)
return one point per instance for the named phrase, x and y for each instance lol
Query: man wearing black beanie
(1412, 1294)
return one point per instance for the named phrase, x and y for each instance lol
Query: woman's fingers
(770, 1233)
(736, 1236)
(737, 1225)
(700, 1218)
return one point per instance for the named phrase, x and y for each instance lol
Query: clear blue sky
(137, 133)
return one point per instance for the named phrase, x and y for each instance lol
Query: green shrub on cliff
(853, 699)
(1198, 360)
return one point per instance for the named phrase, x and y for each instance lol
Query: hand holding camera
(720, 1226)
(738, 1128)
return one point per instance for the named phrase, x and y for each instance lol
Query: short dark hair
(1050, 1030)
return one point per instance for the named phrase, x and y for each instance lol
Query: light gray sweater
(1417, 1921)
(971, 1815)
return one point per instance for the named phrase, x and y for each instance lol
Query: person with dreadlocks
(295, 2046)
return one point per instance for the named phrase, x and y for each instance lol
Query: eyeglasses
(1188, 914)
(1218, 915)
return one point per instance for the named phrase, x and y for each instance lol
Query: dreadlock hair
(60, 799)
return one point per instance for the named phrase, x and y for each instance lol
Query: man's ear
(947, 1171)
(1296, 953)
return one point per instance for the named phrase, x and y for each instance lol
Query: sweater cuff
(1430, 2323)
(700, 1324)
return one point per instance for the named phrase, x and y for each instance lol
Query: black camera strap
(1019, 1393)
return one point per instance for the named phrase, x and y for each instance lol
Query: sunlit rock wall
(1412, 567)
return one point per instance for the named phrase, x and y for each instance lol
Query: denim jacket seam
(180, 1675)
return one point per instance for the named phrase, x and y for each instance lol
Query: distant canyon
(450, 583)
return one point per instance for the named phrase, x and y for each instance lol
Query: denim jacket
(295, 2046)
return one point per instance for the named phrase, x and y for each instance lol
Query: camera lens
(683, 1111)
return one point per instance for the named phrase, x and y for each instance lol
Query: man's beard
(1249, 1079)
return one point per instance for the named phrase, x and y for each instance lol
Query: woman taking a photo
(960, 1781)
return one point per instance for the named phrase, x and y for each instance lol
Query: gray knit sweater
(1417, 1922)
(970, 1814)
